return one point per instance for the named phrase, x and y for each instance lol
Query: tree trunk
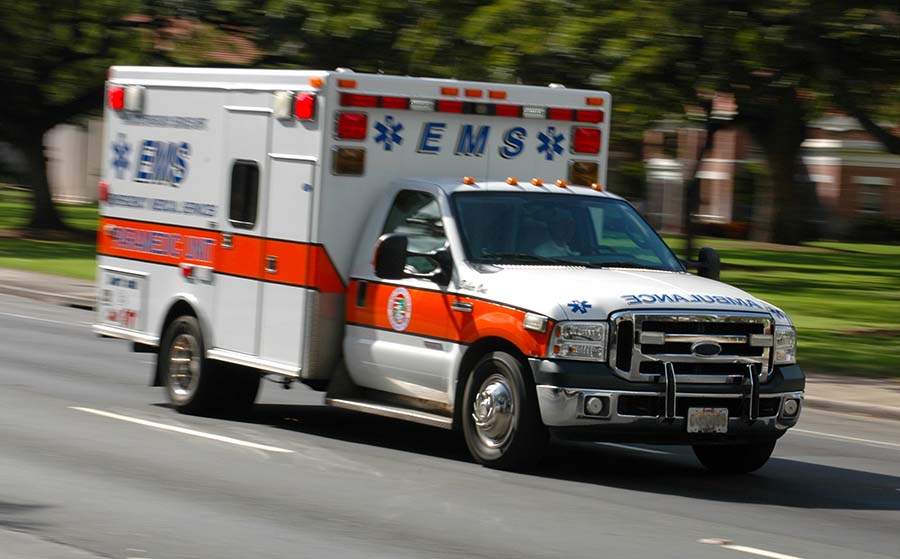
(44, 215)
(779, 128)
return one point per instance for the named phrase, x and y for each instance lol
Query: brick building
(856, 179)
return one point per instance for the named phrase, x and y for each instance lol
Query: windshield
(540, 229)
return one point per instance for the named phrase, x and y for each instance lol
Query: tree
(783, 61)
(53, 58)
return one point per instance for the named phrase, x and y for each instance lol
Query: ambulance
(439, 251)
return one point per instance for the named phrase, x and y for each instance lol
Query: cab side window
(244, 197)
(418, 216)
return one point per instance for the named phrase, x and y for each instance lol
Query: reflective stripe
(301, 264)
(432, 316)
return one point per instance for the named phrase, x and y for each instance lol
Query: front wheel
(500, 416)
(734, 458)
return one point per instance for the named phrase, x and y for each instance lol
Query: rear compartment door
(289, 259)
(239, 259)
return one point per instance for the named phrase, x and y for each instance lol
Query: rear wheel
(197, 385)
(734, 458)
(500, 416)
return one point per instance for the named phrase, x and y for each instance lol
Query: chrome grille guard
(748, 338)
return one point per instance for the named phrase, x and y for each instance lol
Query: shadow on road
(11, 516)
(782, 482)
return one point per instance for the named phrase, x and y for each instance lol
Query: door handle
(271, 264)
(226, 240)
(461, 307)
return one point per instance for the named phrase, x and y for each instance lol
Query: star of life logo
(550, 143)
(579, 306)
(389, 133)
(120, 155)
(399, 309)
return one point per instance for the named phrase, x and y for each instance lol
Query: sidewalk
(874, 397)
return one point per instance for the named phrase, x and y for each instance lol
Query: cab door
(397, 330)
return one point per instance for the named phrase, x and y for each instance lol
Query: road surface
(94, 464)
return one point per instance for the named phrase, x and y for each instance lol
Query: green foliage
(54, 58)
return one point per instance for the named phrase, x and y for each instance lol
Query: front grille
(653, 405)
(642, 342)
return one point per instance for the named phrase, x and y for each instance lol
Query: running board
(395, 412)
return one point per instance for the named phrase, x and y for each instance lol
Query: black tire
(734, 458)
(196, 385)
(509, 434)
(241, 385)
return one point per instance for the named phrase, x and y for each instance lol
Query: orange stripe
(492, 319)
(300, 264)
(303, 264)
(429, 309)
(432, 316)
(153, 242)
(244, 258)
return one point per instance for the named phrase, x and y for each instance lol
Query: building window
(670, 145)
(869, 199)
(244, 197)
(870, 194)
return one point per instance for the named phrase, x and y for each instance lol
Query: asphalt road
(80, 478)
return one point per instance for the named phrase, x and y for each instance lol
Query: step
(392, 411)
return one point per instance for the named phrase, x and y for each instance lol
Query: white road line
(639, 449)
(744, 549)
(39, 319)
(760, 552)
(845, 438)
(183, 431)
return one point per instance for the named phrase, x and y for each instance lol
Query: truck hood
(571, 293)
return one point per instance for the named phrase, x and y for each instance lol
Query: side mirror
(709, 263)
(390, 256)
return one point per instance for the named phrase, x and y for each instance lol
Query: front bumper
(636, 411)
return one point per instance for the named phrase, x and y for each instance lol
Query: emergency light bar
(470, 107)
(289, 105)
(129, 98)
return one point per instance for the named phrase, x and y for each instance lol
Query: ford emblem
(706, 349)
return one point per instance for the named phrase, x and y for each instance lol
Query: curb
(82, 302)
(858, 408)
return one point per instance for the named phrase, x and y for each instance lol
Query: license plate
(707, 420)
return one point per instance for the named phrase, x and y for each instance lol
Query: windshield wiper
(521, 257)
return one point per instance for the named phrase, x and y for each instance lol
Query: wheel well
(475, 352)
(180, 308)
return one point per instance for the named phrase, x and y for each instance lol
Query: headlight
(585, 341)
(785, 345)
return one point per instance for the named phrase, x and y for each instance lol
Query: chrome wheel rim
(494, 411)
(184, 366)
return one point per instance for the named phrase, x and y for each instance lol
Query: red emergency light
(449, 106)
(508, 110)
(116, 97)
(352, 126)
(594, 117)
(103, 191)
(560, 114)
(401, 103)
(356, 100)
(586, 140)
(304, 106)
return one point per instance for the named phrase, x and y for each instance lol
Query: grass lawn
(843, 297)
(73, 259)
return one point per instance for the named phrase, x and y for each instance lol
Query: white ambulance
(433, 250)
